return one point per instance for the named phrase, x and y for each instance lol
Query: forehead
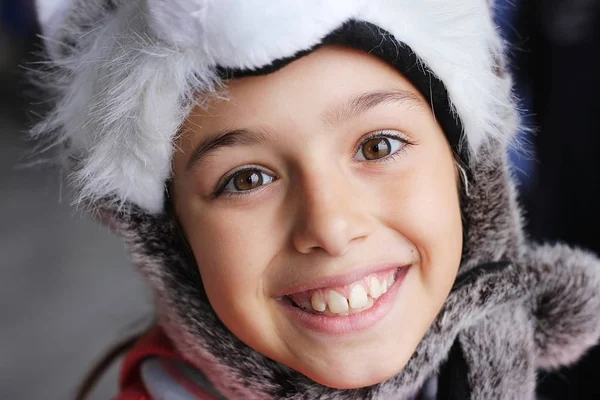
(317, 81)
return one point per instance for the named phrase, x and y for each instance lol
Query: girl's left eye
(379, 147)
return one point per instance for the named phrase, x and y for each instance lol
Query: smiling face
(321, 204)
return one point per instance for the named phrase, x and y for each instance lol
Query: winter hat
(133, 69)
(125, 74)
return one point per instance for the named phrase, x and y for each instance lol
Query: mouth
(342, 309)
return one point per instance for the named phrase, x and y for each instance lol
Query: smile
(352, 307)
(349, 299)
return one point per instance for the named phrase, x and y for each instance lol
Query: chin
(354, 378)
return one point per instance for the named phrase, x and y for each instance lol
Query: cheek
(233, 250)
(422, 204)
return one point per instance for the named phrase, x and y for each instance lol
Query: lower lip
(349, 323)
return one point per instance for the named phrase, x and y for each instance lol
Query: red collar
(153, 343)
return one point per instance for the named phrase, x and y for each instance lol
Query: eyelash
(220, 191)
(389, 135)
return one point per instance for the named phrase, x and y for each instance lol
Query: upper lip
(339, 280)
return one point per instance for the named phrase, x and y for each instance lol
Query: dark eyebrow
(222, 139)
(366, 101)
(353, 107)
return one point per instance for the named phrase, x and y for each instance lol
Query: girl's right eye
(245, 181)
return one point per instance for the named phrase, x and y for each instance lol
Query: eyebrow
(367, 101)
(227, 138)
(350, 109)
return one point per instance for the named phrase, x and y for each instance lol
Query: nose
(331, 215)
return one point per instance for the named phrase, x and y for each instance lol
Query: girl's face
(321, 204)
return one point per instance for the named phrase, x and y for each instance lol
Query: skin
(323, 210)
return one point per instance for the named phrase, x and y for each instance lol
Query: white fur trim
(51, 14)
(127, 86)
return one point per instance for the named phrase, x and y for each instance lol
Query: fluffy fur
(124, 87)
(539, 310)
(516, 306)
(124, 71)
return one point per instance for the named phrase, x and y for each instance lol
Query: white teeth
(370, 302)
(358, 296)
(317, 301)
(384, 285)
(306, 306)
(337, 303)
(374, 288)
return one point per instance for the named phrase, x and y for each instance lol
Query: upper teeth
(317, 302)
(358, 296)
(350, 299)
(337, 303)
(375, 287)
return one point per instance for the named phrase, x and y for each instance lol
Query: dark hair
(99, 369)
(93, 376)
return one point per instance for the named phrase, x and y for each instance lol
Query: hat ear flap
(565, 303)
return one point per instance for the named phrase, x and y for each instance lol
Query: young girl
(318, 195)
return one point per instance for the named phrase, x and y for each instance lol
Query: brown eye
(380, 147)
(247, 180)
(376, 148)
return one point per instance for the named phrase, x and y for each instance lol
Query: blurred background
(67, 291)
